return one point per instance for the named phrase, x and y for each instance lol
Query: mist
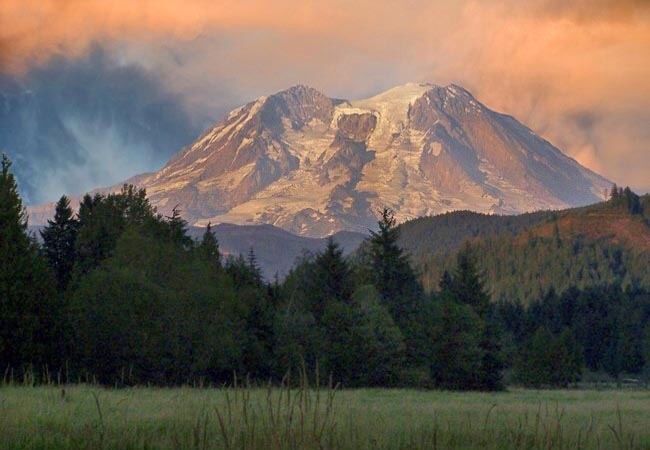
(76, 124)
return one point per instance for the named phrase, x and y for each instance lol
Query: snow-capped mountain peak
(315, 165)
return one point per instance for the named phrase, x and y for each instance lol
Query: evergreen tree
(178, 228)
(329, 293)
(331, 279)
(242, 272)
(29, 310)
(103, 219)
(456, 354)
(549, 360)
(446, 283)
(378, 347)
(209, 248)
(468, 286)
(253, 266)
(645, 352)
(95, 237)
(390, 271)
(59, 237)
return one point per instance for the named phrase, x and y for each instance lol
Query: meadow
(90, 417)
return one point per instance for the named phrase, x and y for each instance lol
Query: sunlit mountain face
(314, 165)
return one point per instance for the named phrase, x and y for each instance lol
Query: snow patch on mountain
(314, 165)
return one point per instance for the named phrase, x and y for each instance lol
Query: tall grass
(304, 416)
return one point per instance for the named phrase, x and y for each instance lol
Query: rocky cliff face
(314, 165)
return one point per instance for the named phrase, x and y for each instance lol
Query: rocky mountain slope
(314, 165)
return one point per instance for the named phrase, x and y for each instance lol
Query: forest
(120, 295)
(522, 257)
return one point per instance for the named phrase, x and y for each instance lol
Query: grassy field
(86, 417)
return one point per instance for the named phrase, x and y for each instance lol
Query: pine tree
(468, 286)
(251, 259)
(456, 353)
(332, 279)
(377, 343)
(13, 220)
(548, 359)
(209, 248)
(28, 306)
(59, 238)
(253, 266)
(390, 271)
(178, 228)
(446, 283)
(97, 235)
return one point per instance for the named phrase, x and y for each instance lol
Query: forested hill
(523, 256)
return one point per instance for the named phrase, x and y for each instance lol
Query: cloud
(550, 63)
(73, 125)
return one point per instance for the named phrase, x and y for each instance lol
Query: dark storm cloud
(75, 124)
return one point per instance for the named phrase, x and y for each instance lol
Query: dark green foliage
(378, 343)
(59, 237)
(547, 359)
(467, 286)
(178, 228)
(131, 299)
(348, 333)
(519, 264)
(30, 310)
(384, 265)
(390, 272)
(456, 352)
(102, 220)
(152, 313)
(645, 351)
(208, 249)
(330, 280)
(626, 199)
(606, 322)
(644, 201)
(448, 232)
(445, 285)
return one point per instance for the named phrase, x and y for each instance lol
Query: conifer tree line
(121, 295)
(522, 257)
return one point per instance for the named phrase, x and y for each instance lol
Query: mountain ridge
(521, 257)
(314, 165)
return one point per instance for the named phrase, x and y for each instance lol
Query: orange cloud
(575, 71)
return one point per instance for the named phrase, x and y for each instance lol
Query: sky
(576, 72)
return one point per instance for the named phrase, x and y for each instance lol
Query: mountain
(523, 256)
(314, 165)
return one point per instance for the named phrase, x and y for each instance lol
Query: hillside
(276, 250)
(523, 256)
